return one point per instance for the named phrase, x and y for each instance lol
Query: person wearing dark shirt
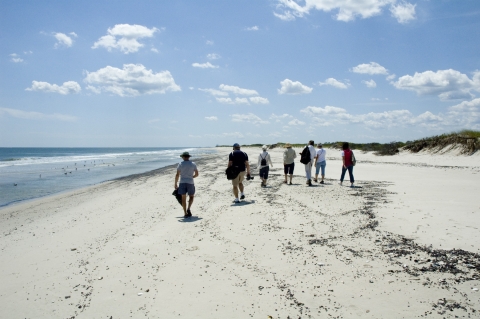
(240, 160)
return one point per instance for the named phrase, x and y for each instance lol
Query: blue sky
(201, 73)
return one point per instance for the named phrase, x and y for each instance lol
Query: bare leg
(235, 191)
(241, 188)
(190, 201)
(285, 178)
(184, 204)
(323, 176)
(291, 176)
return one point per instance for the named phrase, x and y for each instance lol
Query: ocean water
(28, 173)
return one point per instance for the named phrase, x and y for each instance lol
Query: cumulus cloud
(211, 118)
(214, 92)
(279, 118)
(250, 118)
(447, 84)
(132, 80)
(335, 83)
(124, 37)
(254, 28)
(460, 116)
(370, 83)
(16, 58)
(346, 10)
(35, 115)
(64, 40)
(207, 65)
(404, 12)
(213, 56)
(237, 90)
(291, 87)
(370, 68)
(225, 100)
(259, 100)
(68, 87)
(296, 122)
(209, 42)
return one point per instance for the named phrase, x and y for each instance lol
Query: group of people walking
(310, 157)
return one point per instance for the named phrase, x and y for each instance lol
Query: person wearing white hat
(263, 168)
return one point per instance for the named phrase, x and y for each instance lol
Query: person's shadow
(243, 203)
(189, 220)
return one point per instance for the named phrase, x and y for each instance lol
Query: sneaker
(236, 201)
(309, 183)
(242, 197)
(290, 183)
(322, 182)
(189, 213)
(341, 183)
(352, 186)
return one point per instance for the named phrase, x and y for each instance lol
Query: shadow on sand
(189, 220)
(243, 203)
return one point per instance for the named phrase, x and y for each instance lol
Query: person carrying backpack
(306, 157)
(263, 161)
(239, 159)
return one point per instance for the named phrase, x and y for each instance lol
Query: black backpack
(305, 156)
(264, 160)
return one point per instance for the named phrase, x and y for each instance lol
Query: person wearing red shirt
(347, 155)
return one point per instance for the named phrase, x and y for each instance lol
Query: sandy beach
(404, 243)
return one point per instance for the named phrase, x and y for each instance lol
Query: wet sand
(402, 244)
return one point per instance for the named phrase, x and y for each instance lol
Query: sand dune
(402, 244)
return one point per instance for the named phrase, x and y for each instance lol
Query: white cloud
(241, 100)
(460, 116)
(154, 50)
(335, 83)
(125, 37)
(132, 80)
(68, 87)
(237, 90)
(259, 100)
(347, 10)
(370, 68)
(403, 12)
(35, 115)
(16, 58)
(296, 122)
(250, 118)
(63, 40)
(290, 87)
(211, 118)
(207, 65)
(254, 28)
(213, 56)
(391, 77)
(153, 121)
(209, 42)
(370, 83)
(214, 92)
(224, 100)
(278, 118)
(447, 84)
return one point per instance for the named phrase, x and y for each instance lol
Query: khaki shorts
(238, 179)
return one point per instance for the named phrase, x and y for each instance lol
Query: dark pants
(350, 172)
(264, 172)
(288, 168)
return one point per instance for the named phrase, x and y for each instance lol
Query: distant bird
(65, 173)
(14, 184)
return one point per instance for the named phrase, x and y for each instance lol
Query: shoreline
(123, 249)
(129, 176)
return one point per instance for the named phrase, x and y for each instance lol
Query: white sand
(287, 251)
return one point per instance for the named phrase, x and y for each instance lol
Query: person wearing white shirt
(263, 168)
(320, 162)
(308, 167)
